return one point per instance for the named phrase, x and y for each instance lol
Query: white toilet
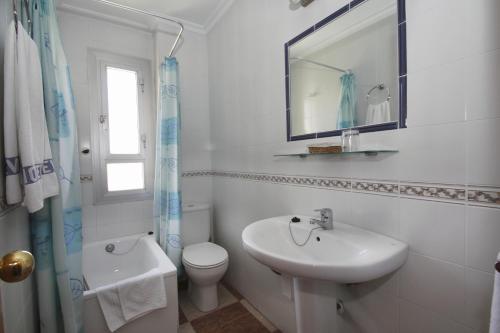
(205, 262)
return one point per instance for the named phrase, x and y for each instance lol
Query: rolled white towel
(378, 113)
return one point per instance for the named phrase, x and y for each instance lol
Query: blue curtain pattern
(56, 230)
(347, 107)
(167, 192)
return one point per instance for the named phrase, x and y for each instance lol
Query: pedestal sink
(345, 254)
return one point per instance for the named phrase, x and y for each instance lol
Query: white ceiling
(199, 13)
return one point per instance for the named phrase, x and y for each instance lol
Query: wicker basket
(332, 149)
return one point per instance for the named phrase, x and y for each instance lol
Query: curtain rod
(144, 12)
(319, 64)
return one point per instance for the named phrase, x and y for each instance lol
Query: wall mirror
(348, 71)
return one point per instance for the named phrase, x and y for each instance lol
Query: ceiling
(199, 13)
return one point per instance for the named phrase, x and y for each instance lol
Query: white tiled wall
(81, 33)
(453, 117)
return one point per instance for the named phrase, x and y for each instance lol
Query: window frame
(99, 61)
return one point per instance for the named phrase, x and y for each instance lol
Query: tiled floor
(234, 315)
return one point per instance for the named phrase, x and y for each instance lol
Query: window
(122, 128)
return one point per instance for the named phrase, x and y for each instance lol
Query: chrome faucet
(326, 218)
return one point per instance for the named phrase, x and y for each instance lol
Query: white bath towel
(132, 299)
(29, 170)
(495, 302)
(378, 113)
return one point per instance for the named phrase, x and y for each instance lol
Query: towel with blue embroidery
(30, 176)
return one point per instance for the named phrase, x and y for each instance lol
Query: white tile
(416, 319)
(415, 9)
(483, 156)
(478, 293)
(148, 210)
(382, 166)
(376, 212)
(110, 231)
(434, 229)
(483, 76)
(303, 200)
(370, 312)
(433, 154)
(435, 36)
(109, 214)
(87, 194)
(483, 230)
(434, 284)
(131, 211)
(482, 25)
(89, 224)
(436, 95)
(89, 235)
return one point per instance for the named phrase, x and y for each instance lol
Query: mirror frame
(401, 123)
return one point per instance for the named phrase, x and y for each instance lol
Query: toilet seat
(204, 255)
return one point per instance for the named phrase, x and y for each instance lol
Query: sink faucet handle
(326, 219)
(325, 212)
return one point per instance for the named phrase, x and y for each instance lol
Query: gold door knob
(16, 266)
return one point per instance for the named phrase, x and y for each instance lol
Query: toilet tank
(196, 223)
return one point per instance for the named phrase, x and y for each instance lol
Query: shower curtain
(167, 194)
(347, 107)
(56, 230)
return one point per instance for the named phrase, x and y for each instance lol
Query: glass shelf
(367, 152)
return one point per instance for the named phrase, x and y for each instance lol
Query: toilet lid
(204, 254)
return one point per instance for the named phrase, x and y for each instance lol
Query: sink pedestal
(315, 306)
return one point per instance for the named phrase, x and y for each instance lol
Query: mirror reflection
(345, 74)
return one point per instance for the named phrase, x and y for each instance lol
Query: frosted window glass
(123, 111)
(125, 176)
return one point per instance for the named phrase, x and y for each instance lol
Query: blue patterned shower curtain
(346, 114)
(167, 195)
(56, 230)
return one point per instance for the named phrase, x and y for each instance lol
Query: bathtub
(102, 270)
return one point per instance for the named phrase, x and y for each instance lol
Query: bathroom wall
(81, 32)
(17, 301)
(440, 193)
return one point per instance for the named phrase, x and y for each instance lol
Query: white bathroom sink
(345, 254)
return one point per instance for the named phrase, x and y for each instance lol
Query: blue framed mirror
(348, 71)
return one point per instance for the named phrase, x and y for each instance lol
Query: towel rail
(379, 86)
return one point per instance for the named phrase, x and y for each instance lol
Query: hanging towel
(132, 299)
(378, 113)
(29, 169)
(346, 113)
(495, 303)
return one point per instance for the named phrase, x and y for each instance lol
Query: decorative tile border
(86, 178)
(198, 173)
(342, 184)
(484, 196)
(472, 195)
(369, 186)
(432, 191)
